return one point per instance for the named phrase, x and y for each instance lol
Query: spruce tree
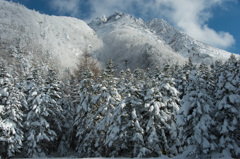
(52, 101)
(125, 134)
(108, 99)
(84, 113)
(168, 105)
(182, 77)
(228, 107)
(152, 118)
(11, 116)
(195, 116)
(67, 136)
(103, 99)
(38, 129)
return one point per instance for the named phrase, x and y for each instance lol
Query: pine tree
(182, 77)
(108, 100)
(103, 98)
(164, 107)
(68, 112)
(84, 113)
(52, 100)
(195, 116)
(125, 134)
(84, 82)
(152, 118)
(14, 120)
(38, 131)
(228, 107)
(11, 116)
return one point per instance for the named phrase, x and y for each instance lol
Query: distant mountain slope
(149, 44)
(60, 38)
(130, 43)
(185, 45)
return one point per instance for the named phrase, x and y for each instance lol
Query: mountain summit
(144, 44)
(128, 41)
(186, 45)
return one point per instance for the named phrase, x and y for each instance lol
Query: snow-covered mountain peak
(121, 28)
(117, 19)
(161, 27)
(116, 16)
(130, 43)
(186, 45)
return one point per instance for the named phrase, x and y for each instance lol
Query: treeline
(144, 113)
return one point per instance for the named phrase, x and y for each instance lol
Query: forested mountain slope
(129, 42)
(28, 32)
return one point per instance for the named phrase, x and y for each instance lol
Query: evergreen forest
(120, 113)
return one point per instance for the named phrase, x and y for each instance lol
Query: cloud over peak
(190, 16)
(70, 7)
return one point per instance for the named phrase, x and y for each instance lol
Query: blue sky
(215, 22)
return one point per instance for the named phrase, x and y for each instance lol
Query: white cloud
(63, 7)
(107, 7)
(190, 16)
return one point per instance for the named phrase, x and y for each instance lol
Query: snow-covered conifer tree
(68, 112)
(195, 116)
(228, 107)
(151, 118)
(11, 116)
(84, 113)
(104, 98)
(125, 134)
(38, 131)
(52, 101)
(182, 77)
(13, 128)
(162, 104)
